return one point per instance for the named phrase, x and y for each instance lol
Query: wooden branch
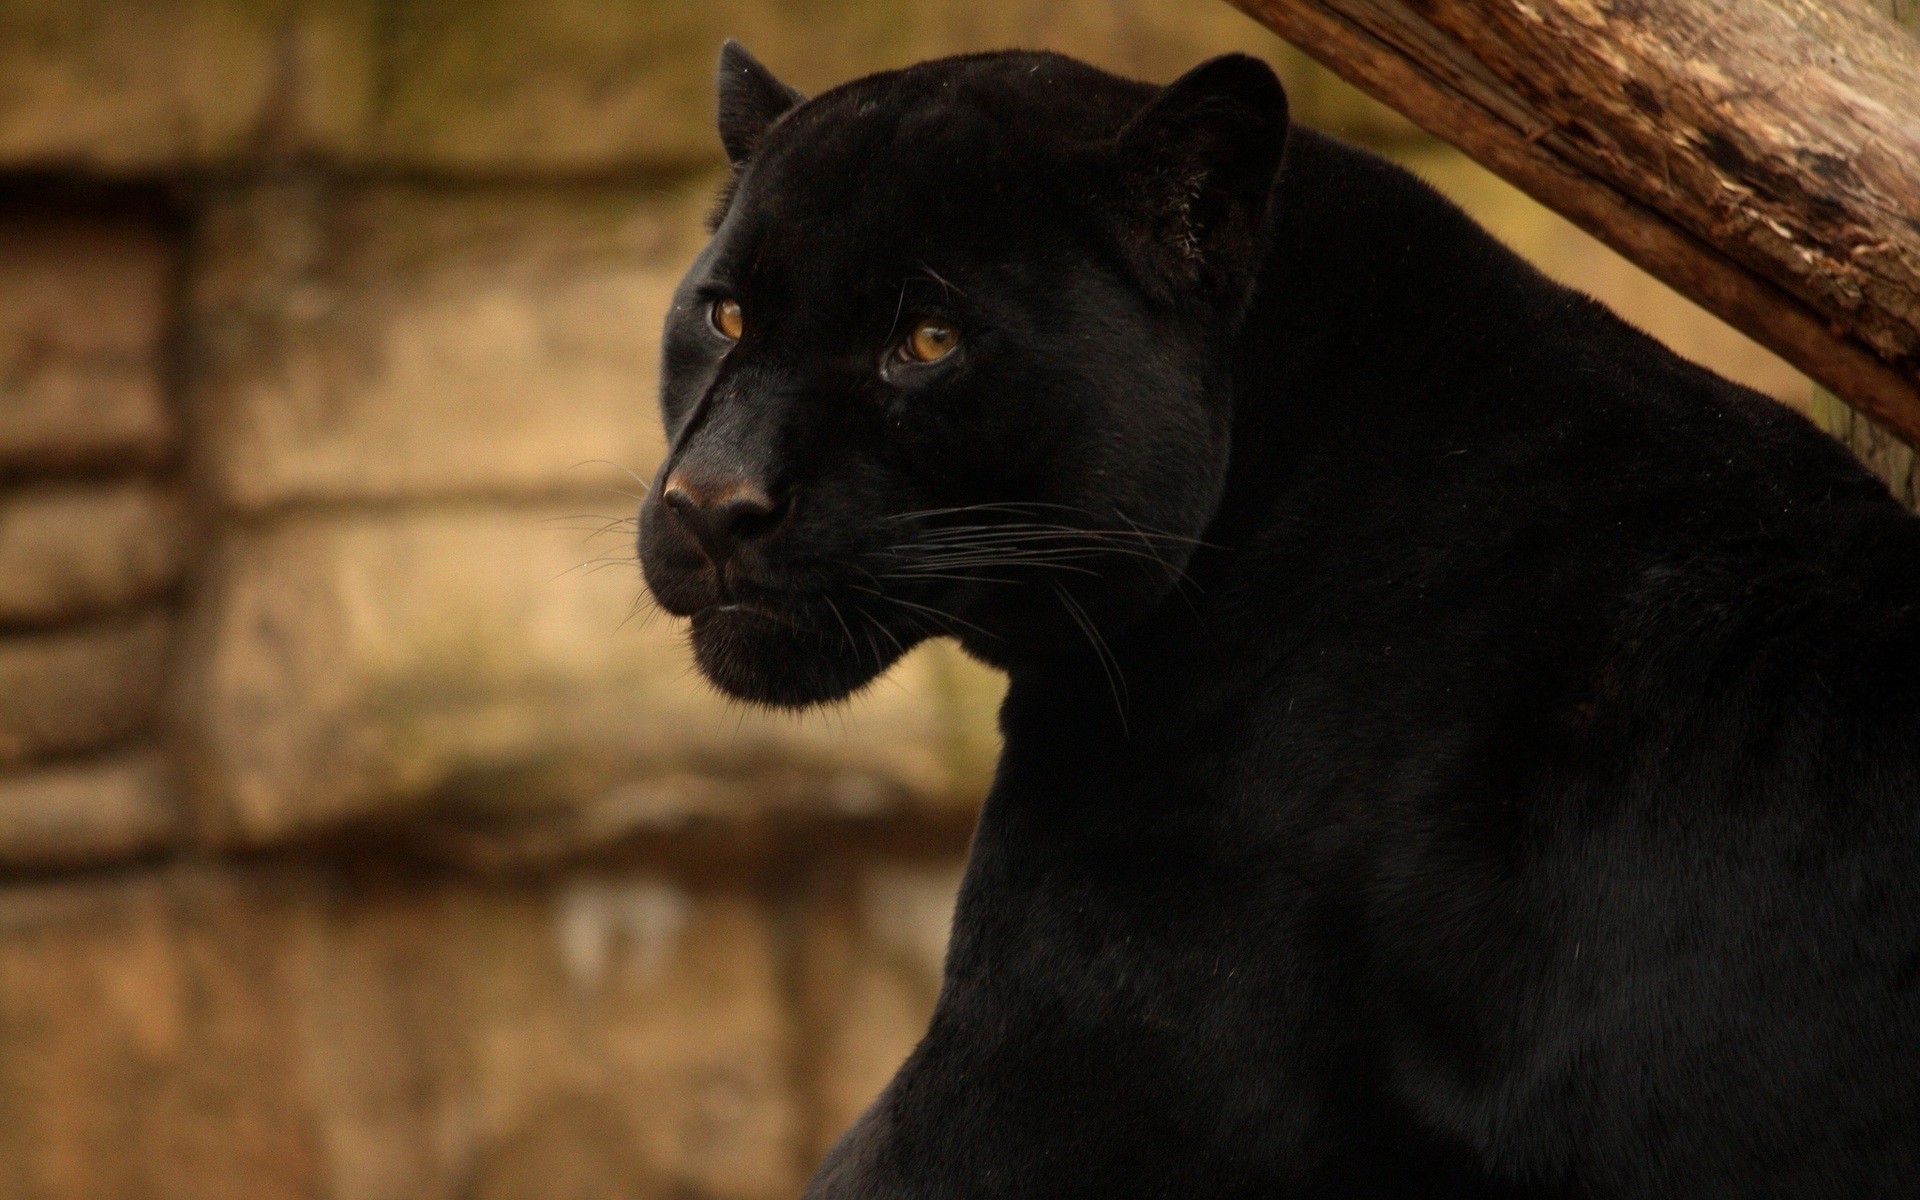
(1760, 156)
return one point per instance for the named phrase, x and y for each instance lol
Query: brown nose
(722, 519)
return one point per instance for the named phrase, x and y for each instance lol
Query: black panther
(1453, 746)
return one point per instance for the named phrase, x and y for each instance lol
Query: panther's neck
(1374, 286)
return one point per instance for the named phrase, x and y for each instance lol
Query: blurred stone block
(561, 86)
(112, 87)
(82, 312)
(152, 1046)
(874, 947)
(293, 1031)
(94, 812)
(359, 664)
(416, 342)
(586, 82)
(79, 689)
(583, 84)
(598, 1034)
(71, 550)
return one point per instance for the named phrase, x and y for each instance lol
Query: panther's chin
(764, 656)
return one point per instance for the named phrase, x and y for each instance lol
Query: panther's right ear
(750, 101)
(1197, 165)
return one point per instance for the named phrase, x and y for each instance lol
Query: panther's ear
(751, 100)
(1196, 166)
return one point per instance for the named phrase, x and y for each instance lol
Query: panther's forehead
(1009, 97)
(844, 163)
(940, 147)
(842, 219)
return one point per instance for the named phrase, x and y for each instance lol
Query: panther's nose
(722, 518)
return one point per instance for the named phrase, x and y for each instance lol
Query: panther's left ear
(1196, 166)
(750, 101)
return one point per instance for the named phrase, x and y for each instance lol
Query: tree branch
(1760, 156)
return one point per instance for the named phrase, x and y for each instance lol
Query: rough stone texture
(563, 86)
(82, 309)
(80, 689)
(873, 950)
(94, 812)
(395, 341)
(73, 550)
(289, 1031)
(367, 664)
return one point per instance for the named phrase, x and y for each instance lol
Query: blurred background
(363, 836)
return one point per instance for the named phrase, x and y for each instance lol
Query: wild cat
(1453, 746)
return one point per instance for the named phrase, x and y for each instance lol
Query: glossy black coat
(1510, 786)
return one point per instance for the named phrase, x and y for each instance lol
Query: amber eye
(930, 341)
(726, 318)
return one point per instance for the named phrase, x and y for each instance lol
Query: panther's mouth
(794, 651)
(729, 610)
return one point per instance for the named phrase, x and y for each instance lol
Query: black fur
(1453, 747)
(750, 99)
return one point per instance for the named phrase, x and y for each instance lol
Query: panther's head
(954, 362)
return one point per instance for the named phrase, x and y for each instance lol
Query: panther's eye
(725, 315)
(930, 341)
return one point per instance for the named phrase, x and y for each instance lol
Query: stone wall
(363, 835)
(354, 842)
(94, 537)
